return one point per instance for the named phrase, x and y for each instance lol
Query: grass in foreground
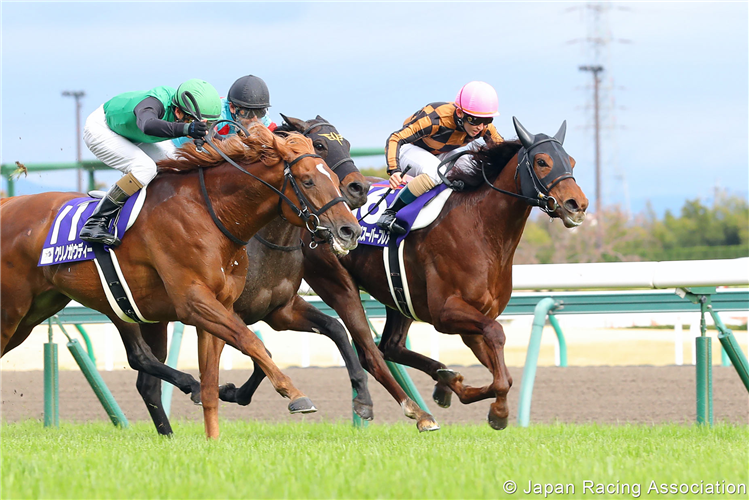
(256, 460)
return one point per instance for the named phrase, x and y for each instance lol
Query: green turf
(255, 460)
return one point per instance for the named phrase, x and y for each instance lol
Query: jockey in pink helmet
(429, 135)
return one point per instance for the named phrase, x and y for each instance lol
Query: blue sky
(675, 94)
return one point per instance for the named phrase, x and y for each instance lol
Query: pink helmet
(478, 99)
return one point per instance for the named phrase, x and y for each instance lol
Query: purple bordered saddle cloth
(63, 244)
(373, 235)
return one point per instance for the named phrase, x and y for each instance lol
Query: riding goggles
(476, 120)
(248, 113)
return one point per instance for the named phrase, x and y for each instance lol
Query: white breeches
(422, 161)
(119, 152)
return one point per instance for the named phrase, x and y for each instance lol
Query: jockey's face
(473, 129)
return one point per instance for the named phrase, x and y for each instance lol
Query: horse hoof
(365, 412)
(497, 423)
(427, 424)
(302, 405)
(442, 396)
(228, 393)
(195, 397)
(446, 375)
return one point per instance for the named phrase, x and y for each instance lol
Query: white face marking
(322, 169)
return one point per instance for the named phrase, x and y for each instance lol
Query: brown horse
(459, 270)
(180, 264)
(275, 271)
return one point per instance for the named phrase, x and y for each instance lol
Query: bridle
(339, 162)
(309, 215)
(534, 191)
(314, 242)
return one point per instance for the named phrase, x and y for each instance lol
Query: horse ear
(562, 132)
(318, 117)
(526, 138)
(295, 123)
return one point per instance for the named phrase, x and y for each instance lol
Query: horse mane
(491, 159)
(260, 145)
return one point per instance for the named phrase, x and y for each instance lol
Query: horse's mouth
(573, 220)
(338, 248)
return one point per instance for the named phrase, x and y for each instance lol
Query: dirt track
(636, 394)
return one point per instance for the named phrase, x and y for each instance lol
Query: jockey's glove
(196, 130)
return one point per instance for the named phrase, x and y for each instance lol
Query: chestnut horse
(274, 274)
(180, 262)
(459, 269)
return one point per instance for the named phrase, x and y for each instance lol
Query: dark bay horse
(275, 270)
(459, 269)
(179, 264)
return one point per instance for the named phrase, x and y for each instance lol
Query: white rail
(672, 274)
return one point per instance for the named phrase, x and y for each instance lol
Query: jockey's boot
(387, 221)
(96, 229)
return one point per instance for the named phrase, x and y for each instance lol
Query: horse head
(336, 151)
(545, 171)
(312, 187)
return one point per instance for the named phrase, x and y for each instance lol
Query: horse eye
(308, 183)
(541, 163)
(319, 146)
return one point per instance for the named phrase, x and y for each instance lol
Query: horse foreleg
(476, 329)
(209, 355)
(393, 347)
(345, 300)
(494, 339)
(149, 386)
(205, 312)
(300, 315)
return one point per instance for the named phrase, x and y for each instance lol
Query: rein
(281, 248)
(303, 212)
(542, 198)
(382, 198)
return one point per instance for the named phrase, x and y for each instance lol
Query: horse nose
(357, 191)
(349, 232)
(573, 207)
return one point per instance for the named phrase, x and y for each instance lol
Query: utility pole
(597, 126)
(77, 94)
(596, 70)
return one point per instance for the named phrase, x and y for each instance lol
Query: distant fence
(7, 169)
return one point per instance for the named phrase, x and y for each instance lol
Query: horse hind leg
(392, 346)
(20, 316)
(141, 358)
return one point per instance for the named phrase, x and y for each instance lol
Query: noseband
(311, 218)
